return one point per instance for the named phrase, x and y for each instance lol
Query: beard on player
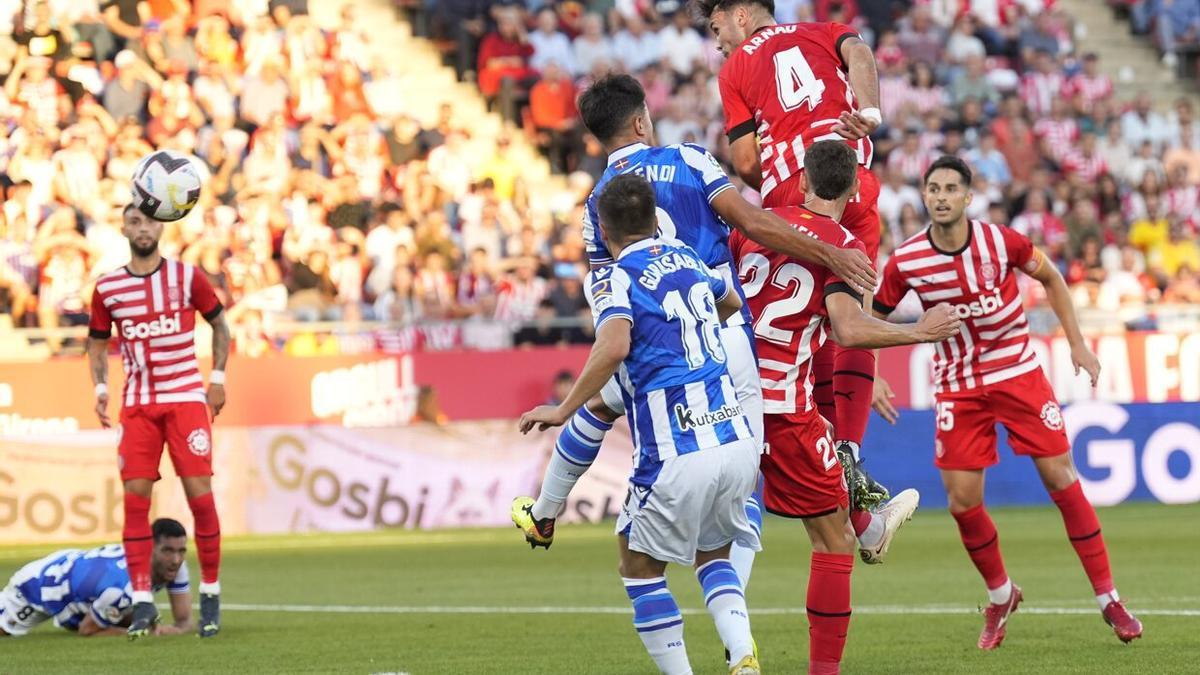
(946, 197)
(142, 231)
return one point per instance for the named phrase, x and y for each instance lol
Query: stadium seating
(368, 181)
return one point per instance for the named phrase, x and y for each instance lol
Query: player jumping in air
(987, 374)
(785, 87)
(795, 303)
(696, 205)
(659, 310)
(88, 591)
(152, 303)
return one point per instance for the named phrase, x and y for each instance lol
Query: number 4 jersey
(679, 395)
(788, 84)
(787, 299)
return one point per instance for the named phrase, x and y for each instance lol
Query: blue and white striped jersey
(679, 396)
(73, 583)
(686, 178)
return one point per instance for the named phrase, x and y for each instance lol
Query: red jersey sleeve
(100, 323)
(835, 284)
(1020, 250)
(739, 120)
(204, 298)
(892, 288)
(839, 33)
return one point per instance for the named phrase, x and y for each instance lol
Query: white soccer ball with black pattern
(166, 185)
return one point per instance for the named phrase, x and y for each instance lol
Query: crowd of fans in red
(326, 200)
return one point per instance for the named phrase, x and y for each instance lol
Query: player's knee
(957, 503)
(1058, 475)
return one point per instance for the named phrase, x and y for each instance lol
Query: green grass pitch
(446, 602)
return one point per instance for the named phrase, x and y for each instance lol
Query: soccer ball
(165, 186)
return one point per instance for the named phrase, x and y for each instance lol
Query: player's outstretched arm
(768, 229)
(610, 349)
(181, 609)
(97, 349)
(1059, 297)
(864, 82)
(853, 328)
(89, 628)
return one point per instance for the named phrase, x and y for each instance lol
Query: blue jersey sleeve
(608, 293)
(706, 168)
(108, 609)
(717, 283)
(181, 585)
(597, 250)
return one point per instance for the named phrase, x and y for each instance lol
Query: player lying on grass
(987, 374)
(697, 205)
(658, 313)
(89, 591)
(797, 303)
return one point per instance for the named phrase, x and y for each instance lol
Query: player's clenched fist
(102, 410)
(939, 323)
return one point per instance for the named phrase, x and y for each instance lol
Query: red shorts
(1025, 405)
(184, 427)
(862, 212)
(802, 477)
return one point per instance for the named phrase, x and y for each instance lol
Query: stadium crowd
(327, 201)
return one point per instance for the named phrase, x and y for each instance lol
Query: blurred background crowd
(326, 200)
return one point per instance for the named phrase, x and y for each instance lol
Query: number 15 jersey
(788, 84)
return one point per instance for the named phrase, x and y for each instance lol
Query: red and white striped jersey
(788, 83)
(1092, 89)
(1060, 135)
(979, 280)
(786, 297)
(1038, 90)
(1088, 168)
(155, 318)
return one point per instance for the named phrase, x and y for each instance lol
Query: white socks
(871, 536)
(1002, 594)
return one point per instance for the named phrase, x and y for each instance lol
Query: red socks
(208, 536)
(138, 540)
(979, 536)
(1084, 530)
(823, 381)
(828, 607)
(853, 384)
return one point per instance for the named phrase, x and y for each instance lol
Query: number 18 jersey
(788, 84)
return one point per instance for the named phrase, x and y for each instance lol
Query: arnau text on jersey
(760, 38)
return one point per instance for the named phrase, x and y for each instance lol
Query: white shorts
(697, 503)
(17, 615)
(743, 370)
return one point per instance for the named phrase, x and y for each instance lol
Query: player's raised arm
(864, 82)
(1059, 297)
(775, 233)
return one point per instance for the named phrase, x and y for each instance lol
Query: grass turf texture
(1153, 549)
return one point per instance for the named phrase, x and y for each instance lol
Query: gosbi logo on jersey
(986, 304)
(163, 325)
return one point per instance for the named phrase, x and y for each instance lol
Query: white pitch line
(479, 609)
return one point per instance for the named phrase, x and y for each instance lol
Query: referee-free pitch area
(480, 601)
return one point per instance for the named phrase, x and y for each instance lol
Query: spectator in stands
(504, 71)
(920, 38)
(1142, 124)
(520, 292)
(972, 83)
(1179, 250)
(592, 47)
(1176, 22)
(541, 331)
(635, 46)
(550, 45)
(682, 45)
(1038, 38)
(553, 114)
